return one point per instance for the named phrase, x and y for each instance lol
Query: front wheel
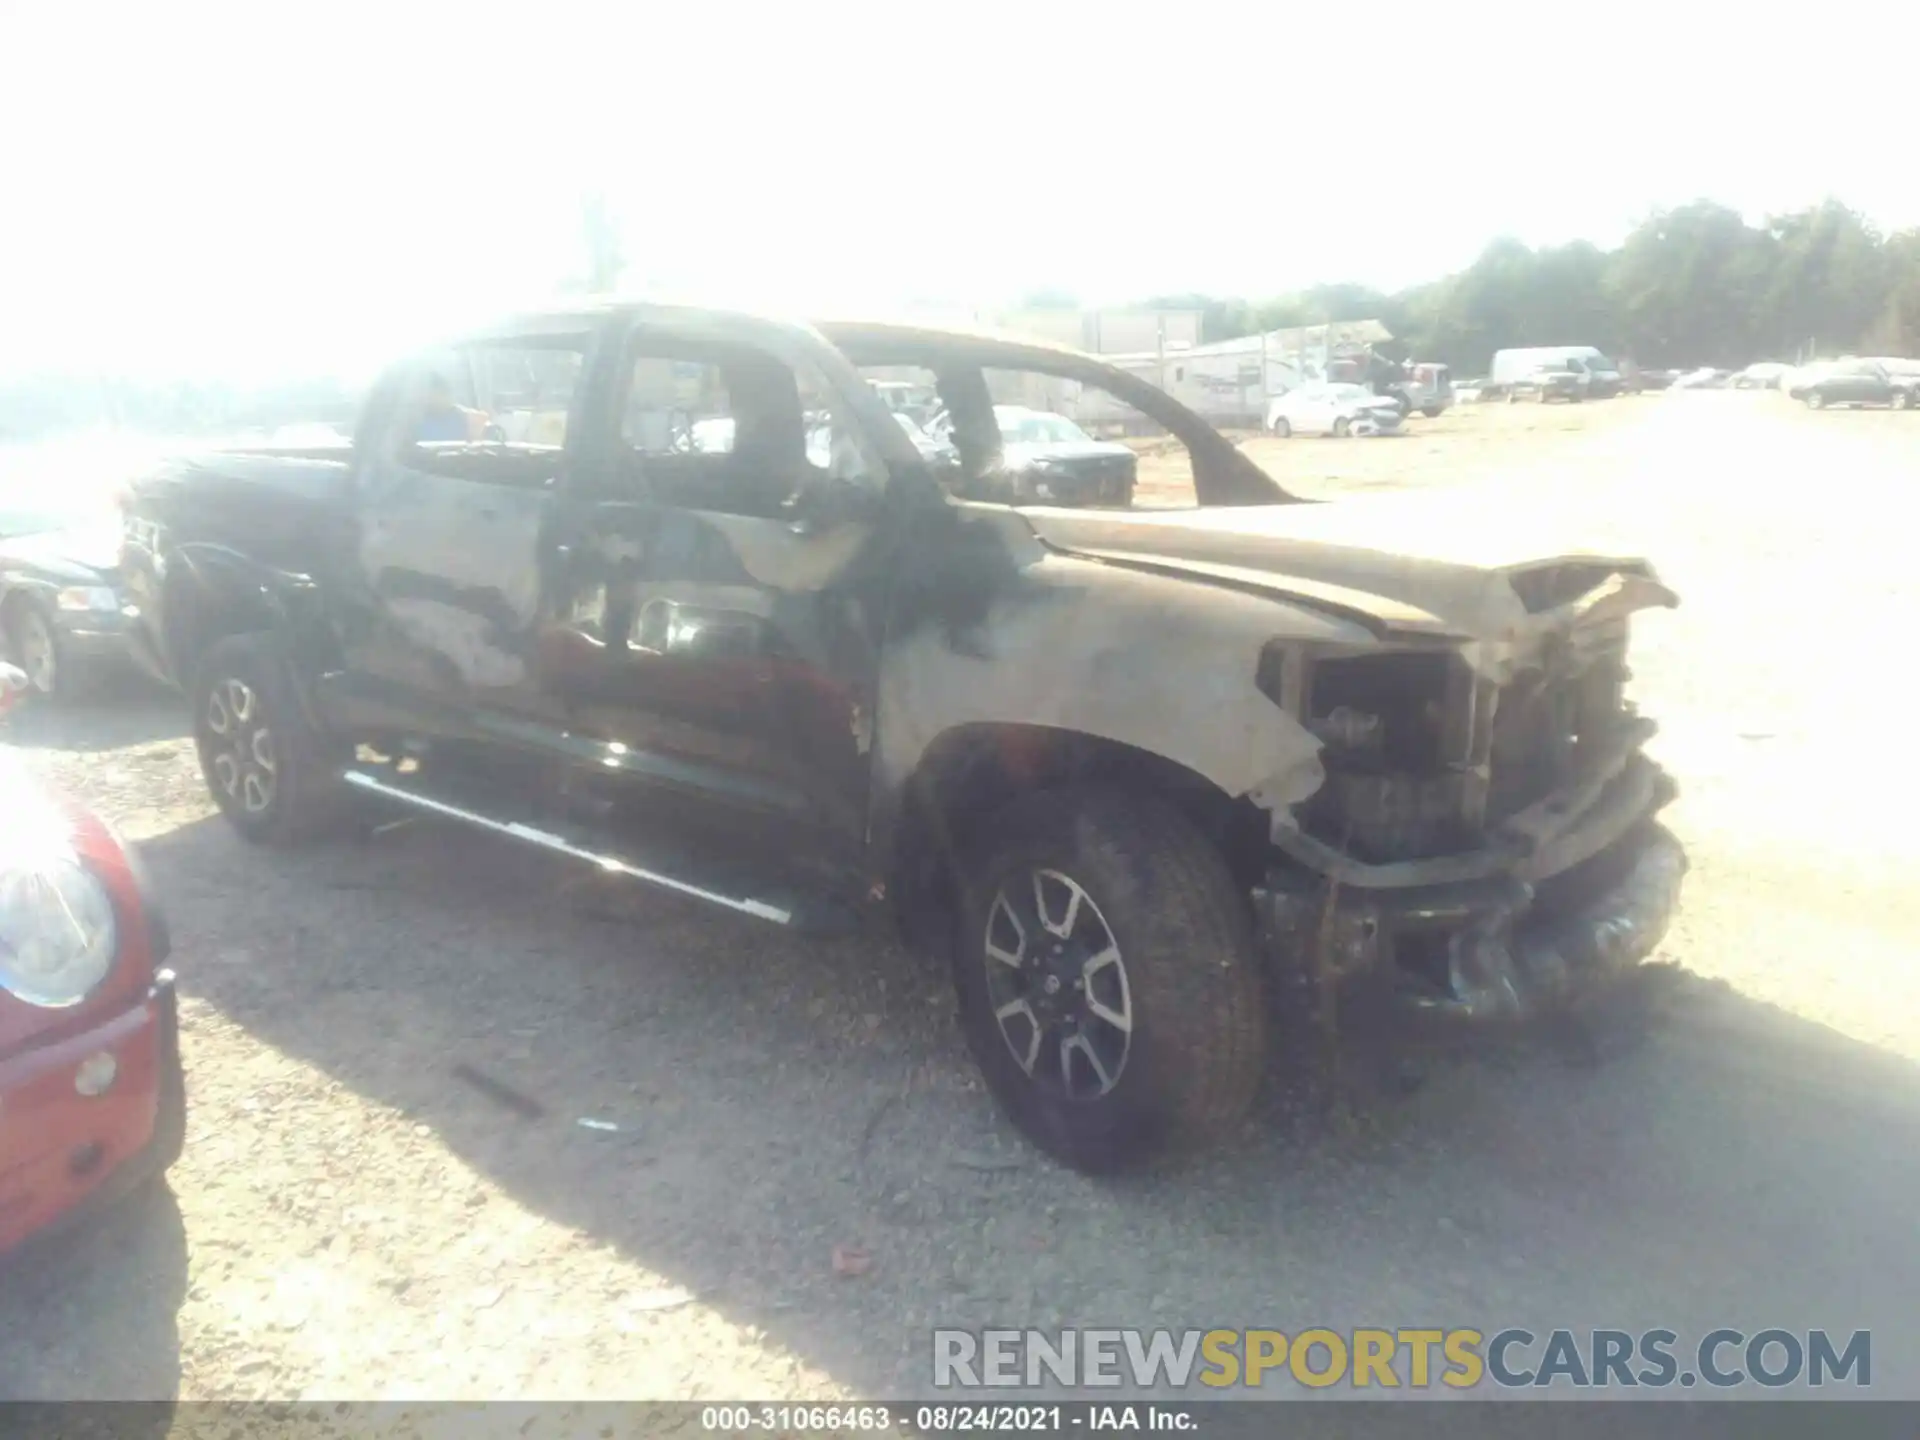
(1342, 426)
(1282, 429)
(272, 773)
(1432, 412)
(1816, 401)
(34, 646)
(1902, 400)
(1107, 977)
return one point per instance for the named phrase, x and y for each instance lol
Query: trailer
(1232, 382)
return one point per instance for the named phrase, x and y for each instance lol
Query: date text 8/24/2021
(929, 1420)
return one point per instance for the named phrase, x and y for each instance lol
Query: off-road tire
(308, 800)
(1197, 1049)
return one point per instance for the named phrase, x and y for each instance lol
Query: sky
(293, 187)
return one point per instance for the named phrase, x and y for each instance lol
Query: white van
(1601, 375)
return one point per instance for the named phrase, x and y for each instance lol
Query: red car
(92, 1098)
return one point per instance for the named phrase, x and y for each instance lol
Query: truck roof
(869, 335)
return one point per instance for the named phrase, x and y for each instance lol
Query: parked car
(1762, 375)
(1854, 383)
(938, 452)
(1049, 458)
(1130, 775)
(1321, 408)
(918, 401)
(92, 1097)
(63, 619)
(1704, 378)
(1547, 383)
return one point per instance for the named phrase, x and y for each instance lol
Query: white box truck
(1600, 376)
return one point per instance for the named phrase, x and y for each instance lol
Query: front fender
(210, 590)
(1150, 661)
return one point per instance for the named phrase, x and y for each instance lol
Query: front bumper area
(99, 640)
(65, 1156)
(1577, 906)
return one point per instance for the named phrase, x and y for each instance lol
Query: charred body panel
(1081, 648)
(724, 644)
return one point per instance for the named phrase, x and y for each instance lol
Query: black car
(1050, 459)
(1856, 382)
(62, 616)
(1547, 384)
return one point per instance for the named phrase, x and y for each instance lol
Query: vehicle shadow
(123, 710)
(759, 1100)
(93, 1315)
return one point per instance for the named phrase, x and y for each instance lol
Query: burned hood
(1410, 565)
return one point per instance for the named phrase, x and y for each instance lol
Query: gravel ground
(355, 1219)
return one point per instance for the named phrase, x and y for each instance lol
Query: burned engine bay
(1422, 755)
(1483, 822)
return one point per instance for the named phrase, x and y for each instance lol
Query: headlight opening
(58, 932)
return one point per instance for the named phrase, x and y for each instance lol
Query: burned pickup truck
(1122, 768)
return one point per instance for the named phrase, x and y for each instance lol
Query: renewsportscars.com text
(1457, 1359)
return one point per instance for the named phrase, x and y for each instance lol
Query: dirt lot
(353, 1220)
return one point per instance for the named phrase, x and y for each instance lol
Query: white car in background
(1761, 375)
(1328, 408)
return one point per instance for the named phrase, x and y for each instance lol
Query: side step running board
(547, 840)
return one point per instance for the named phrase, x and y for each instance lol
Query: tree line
(1695, 285)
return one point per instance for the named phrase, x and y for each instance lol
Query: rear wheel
(1815, 400)
(272, 773)
(1107, 977)
(1902, 399)
(1282, 428)
(1432, 412)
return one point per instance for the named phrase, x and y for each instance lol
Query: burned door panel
(454, 496)
(715, 652)
(453, 594)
